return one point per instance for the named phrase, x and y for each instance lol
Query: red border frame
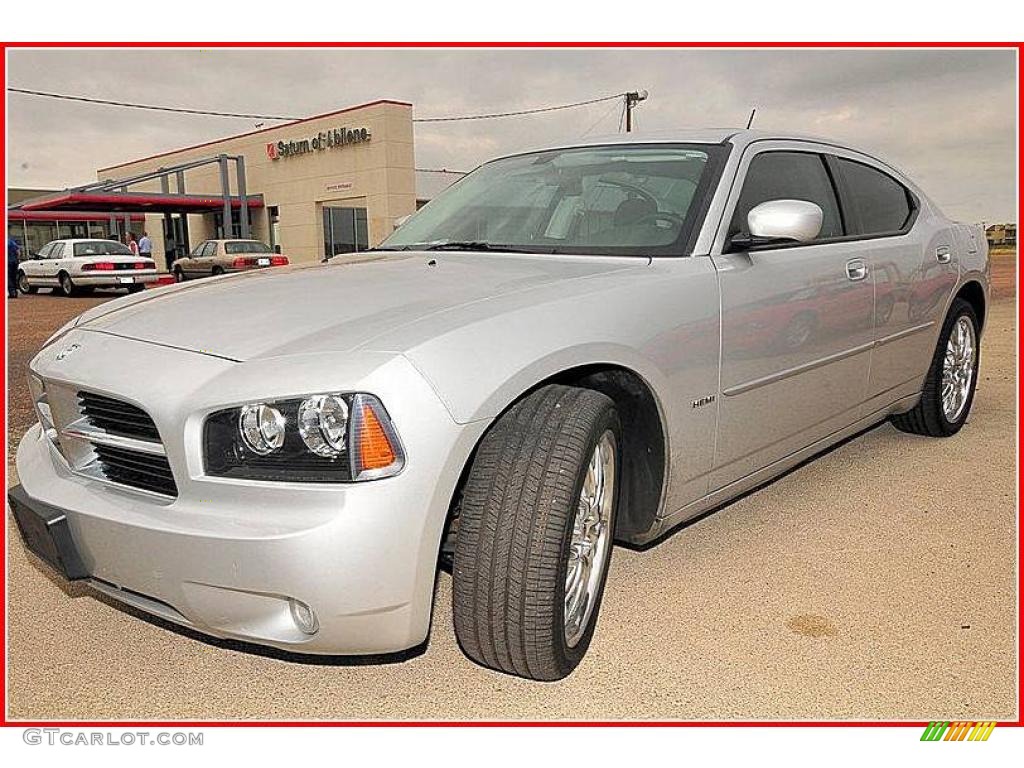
(1018, 46)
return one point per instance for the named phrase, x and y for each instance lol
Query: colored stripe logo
(958, 731)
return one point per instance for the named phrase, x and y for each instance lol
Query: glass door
(344, 230)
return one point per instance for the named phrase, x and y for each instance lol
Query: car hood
(333, 307)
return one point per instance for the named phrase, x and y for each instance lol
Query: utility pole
(632, 99)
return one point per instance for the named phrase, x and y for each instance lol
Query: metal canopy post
(225, 190)
(243, 212)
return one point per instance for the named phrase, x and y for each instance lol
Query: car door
(208, 259)
(34, 267)
(796, 329)
(913, 262)
(50, 266)
(192, 265)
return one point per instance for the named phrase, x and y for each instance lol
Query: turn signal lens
(377, 450)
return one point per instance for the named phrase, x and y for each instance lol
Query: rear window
(881, 205)
(101, 248)
(246, 246)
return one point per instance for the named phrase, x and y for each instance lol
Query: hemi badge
(703, 401)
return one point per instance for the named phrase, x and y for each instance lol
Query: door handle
(856, 269)
(943, 254)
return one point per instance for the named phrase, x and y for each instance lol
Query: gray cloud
(946, 117)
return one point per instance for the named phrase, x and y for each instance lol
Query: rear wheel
(67, 285)
(179, 275)
(535, 532)
(952, 378)
(217, 271)
(23, 284)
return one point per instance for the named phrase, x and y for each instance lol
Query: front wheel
(23, 284)
(952, 378)
(179, 275)
(535, 531)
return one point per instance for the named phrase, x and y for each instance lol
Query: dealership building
(315, 187)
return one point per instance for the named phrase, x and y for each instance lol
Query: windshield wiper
(466, 245)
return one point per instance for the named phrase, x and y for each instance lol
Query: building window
(236, 225)
(344, 230)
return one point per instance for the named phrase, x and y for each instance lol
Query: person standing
(145, 246)
(129, 240)
(13, 252)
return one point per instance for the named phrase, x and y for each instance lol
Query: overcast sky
(946, 118)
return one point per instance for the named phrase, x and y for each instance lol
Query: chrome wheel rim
(591, 539)
(958, 368)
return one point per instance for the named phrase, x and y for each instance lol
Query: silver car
(567, 348)
(217, 257)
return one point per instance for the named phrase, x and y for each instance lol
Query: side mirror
(401, 220)
(780, 221)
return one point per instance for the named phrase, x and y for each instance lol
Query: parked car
(75, 266)
(217, 257)
(566, 348)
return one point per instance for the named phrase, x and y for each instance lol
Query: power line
(215, 113)
(153, 107)
(517, 112)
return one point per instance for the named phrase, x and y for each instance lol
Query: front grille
(139, 470)
(117, 417)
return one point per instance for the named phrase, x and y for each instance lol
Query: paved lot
(877, 581)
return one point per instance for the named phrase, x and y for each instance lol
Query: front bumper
(230, 558)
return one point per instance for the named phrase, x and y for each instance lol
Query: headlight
(323, 438)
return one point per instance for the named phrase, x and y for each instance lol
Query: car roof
(236, 240)
(84, 240)
(739, 137)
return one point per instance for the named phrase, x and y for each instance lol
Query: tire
(929, 417)
(179, 275)
(67, 285)
(217, 271)
(23, 284)
(515, 533)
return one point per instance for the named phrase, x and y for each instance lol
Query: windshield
(247, 246)
(614, 200)
(102, 248)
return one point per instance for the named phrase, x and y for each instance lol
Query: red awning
(135, 202)
(19, 215)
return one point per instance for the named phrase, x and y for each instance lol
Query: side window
(198, 250)
(881, 205)
(44, 252)
(210, 249)
(57, 251)
(788, 176)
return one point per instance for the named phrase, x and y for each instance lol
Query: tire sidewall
(22, 283)
(959, 309)
(568, 658)
(67, 287)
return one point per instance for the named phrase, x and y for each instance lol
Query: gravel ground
(877, 581)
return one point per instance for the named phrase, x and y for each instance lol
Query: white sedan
(72, 266)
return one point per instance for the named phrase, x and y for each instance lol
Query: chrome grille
(139, 470)
(116, 416)
(104, 438)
